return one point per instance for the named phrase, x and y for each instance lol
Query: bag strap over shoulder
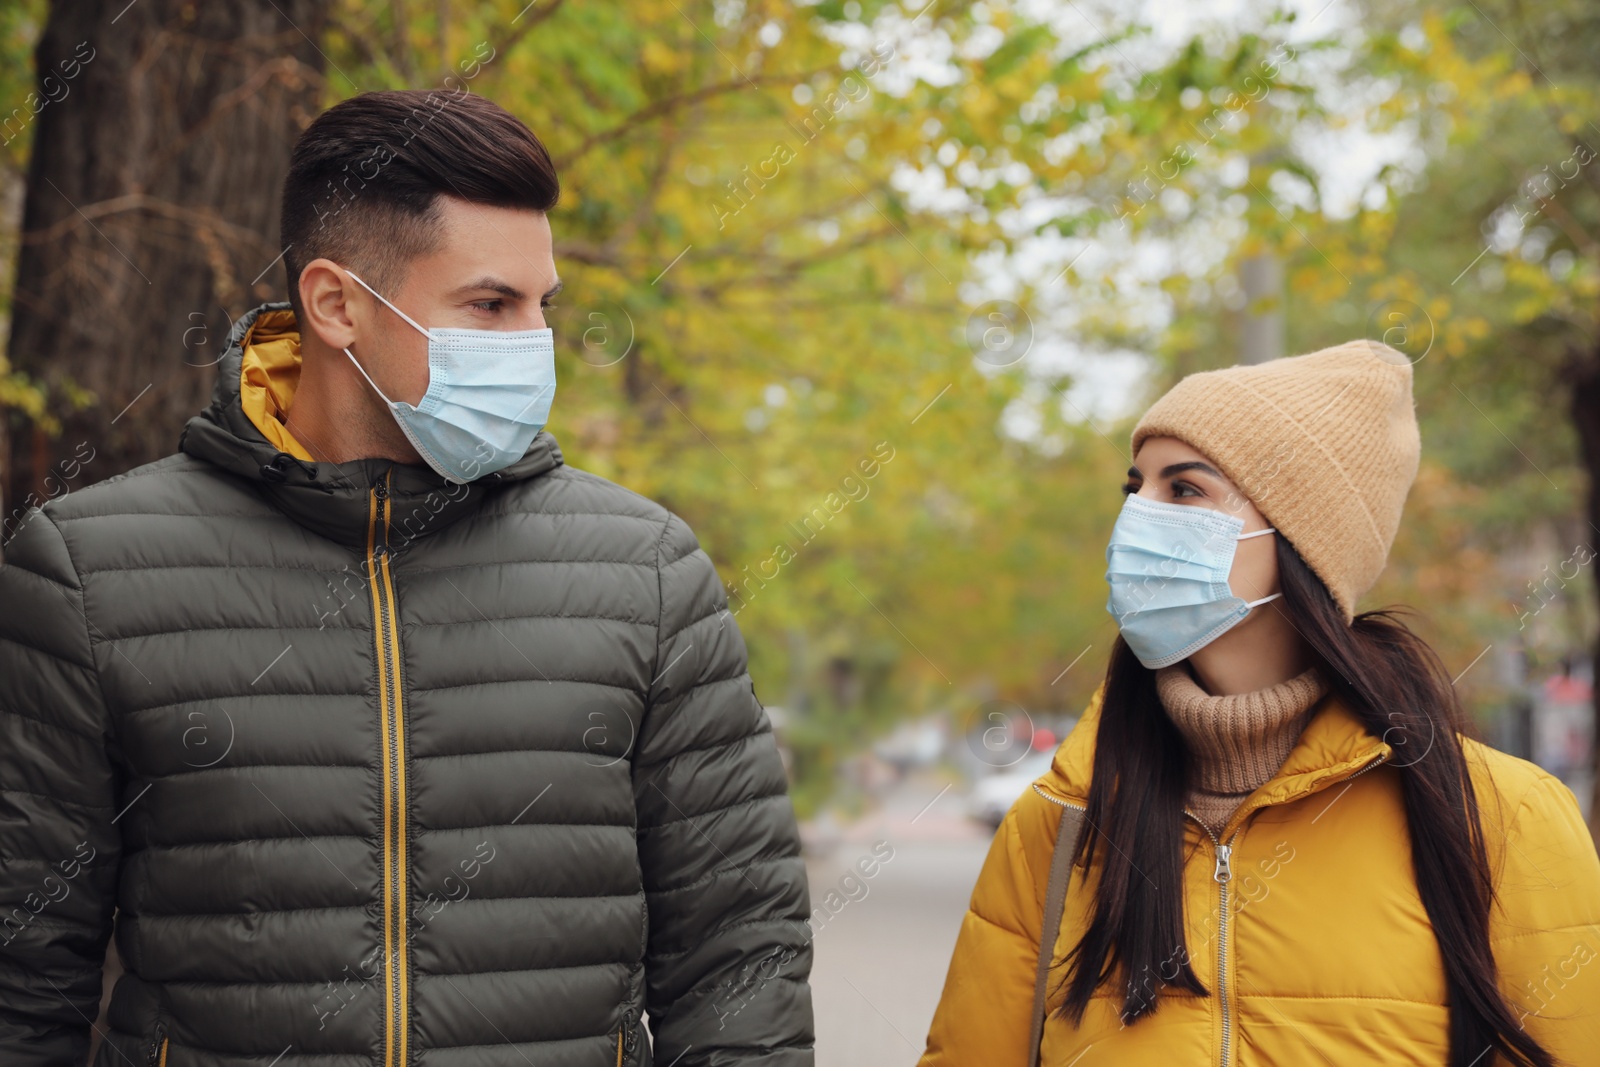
(1055, 901)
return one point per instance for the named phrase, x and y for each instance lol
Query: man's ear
(325, 295)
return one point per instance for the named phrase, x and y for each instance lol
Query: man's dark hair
(365, 179)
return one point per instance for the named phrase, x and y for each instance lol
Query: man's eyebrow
(554, 289)
(494, 285)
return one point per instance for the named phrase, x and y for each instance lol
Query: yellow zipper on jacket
(386, 637)
(1052, 798)
(1223, 875)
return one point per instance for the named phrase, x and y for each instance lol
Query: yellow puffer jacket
(1326, 952)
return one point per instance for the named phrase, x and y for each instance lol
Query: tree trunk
(1262, 329)
(1586, 417)
(161, 135)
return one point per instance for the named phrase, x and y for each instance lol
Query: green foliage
(1497, 101)
(770, 234)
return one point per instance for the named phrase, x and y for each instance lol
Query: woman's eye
(1129, 489)
(1184, 489)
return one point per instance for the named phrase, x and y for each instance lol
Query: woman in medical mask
(1268, 840)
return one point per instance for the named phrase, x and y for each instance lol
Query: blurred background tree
(869, 292)
(1473, 248)
(156, 137)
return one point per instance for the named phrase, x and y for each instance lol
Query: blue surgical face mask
(1168, 566)
(489, 395)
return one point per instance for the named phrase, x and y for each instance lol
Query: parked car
(913, 745)
(993, 794)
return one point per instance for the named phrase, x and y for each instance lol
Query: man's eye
(488, 305)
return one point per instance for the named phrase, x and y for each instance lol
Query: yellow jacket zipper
(386, 636)
(1052, 798)
(1223, 875)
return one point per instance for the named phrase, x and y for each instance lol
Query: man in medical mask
(381, 735)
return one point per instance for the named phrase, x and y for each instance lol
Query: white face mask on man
(489, 394)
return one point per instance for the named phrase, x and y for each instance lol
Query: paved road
(881, 956)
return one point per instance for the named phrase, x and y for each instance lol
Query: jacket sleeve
(58, 787)
(983, 1014)
(1546, 928)
(729, 947)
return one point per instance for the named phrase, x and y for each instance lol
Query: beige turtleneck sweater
(1236, 742)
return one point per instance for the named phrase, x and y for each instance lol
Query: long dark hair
(1399, 689)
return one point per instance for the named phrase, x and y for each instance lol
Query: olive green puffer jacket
(375, 770)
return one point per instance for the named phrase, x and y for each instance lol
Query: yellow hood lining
(269, 373)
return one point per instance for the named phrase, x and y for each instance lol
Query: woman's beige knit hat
(1324, 445)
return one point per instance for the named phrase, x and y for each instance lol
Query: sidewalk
(883, 940)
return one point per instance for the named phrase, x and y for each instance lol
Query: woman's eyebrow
(1179, 468)
(1133, 472)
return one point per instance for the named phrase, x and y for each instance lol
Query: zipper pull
(630, 1036)
(153, 1058)
(1224, 871)
(381, 490)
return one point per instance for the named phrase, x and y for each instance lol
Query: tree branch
(141, 202)
(585, 252)
(528, 22)
(785, 270)
(284, 69)
(655, 110)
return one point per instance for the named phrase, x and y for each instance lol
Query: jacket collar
(1333, 746)
(331, 499)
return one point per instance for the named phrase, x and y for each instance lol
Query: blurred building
(1550, 720)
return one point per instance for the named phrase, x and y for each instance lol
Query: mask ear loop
(412, 322)
(368, 377)
(1246, 537)
(422, 330)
